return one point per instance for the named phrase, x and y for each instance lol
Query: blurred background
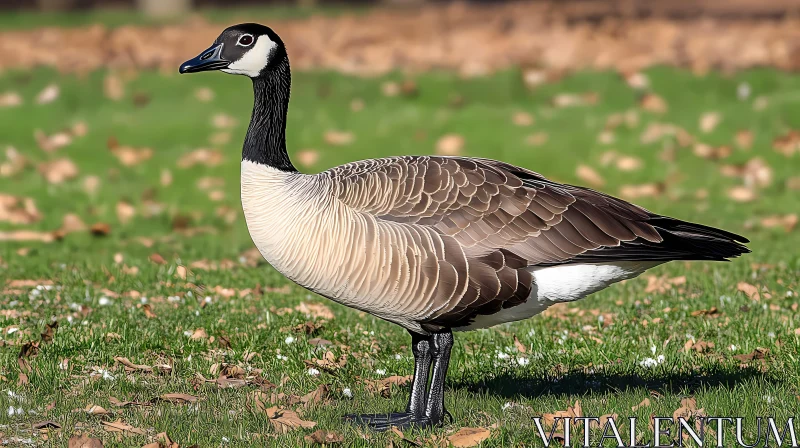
(119, 191)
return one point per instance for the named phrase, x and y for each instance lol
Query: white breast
(563, 284)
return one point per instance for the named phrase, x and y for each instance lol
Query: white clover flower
(347, 392)
(104, 301)
(380, 371)
(313, 372)
(289, 339)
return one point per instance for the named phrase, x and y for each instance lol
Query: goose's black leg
(441, 343)
(415, 411)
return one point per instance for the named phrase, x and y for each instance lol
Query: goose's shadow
(511, 385)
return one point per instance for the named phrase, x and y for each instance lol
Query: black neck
(265, 142)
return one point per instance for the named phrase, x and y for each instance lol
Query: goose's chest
(281, 212)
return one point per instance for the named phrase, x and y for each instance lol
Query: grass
(573, 356)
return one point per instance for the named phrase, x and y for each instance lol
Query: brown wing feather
(496, 220)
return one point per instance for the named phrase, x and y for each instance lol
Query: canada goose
(433, 244)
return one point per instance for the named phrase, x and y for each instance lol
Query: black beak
(210, 59)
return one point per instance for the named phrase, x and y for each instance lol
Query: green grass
(567, 363)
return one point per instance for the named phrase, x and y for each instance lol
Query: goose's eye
(245, 41)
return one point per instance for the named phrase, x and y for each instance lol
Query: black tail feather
(681, 240)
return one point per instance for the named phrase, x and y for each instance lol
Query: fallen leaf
(120, 426)
(339, 138)
(751, 291)
(757, 354)
(113, 87)
(537, 139)
(204, 94)
(199, 334)
(10, 99)
(519, 345)
(644, 404)
(744, 139)
(322, 437)
(450, 145)
(709, 121)
(94, 409)
(284, 420)
(315, 310)
(571, 412)
(468, 437)
(308, 157)
(522, 119)
(47, 424)
(629, 163)
(58, 171)
(316, 396)
(18, 210)
(202, 156)
(48, 94)
(788, 222)
(84, 441)
(177, 398)
(157, 258)
(49, 331)
(223, 121)
(653, 103)
(640, 191)
(26, 235)
(590, 176)
(125, 212)
(100, 229)
(383, 386)
(50, 143)
(131, 367)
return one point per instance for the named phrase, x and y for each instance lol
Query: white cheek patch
(254, 60)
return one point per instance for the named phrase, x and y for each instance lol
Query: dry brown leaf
(744, 139)
(199, 334)
(100, 229)
(58, 171)
(129, 156)
(757, 354)
(339, 138)
(571, 412)
(709, 121)
(204, 94)
(285, 420)
(383, 386)
(125, 212)
(94, 409)
(177, 398)
(18, 210)
(588, 175)
(644, 404)
(84, 441)
(450, 145)
(663, 283)
(328, 362)
(788, 143)
(315, 310)
(537, 139)
(629, 163)
(519, 345)
(113, 87)
(48, 94)
(468, 437)
(751, 291)
(131, 367)
(653, 103)
(522, 119)
(308, 157)
(316, 396)
(633, 192)
(742, 194)
(157, 258)
(10, 99)
(120, 426)
(207, 157)
(322, 437)
(50, 143)
(788, 222)
(26, 235)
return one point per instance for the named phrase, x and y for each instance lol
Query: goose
(433, 244)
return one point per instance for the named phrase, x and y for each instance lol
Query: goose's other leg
(441, 344)
(415, 411)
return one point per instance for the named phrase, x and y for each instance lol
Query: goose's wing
(496, 220)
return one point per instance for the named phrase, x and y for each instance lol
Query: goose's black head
(248, 49)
